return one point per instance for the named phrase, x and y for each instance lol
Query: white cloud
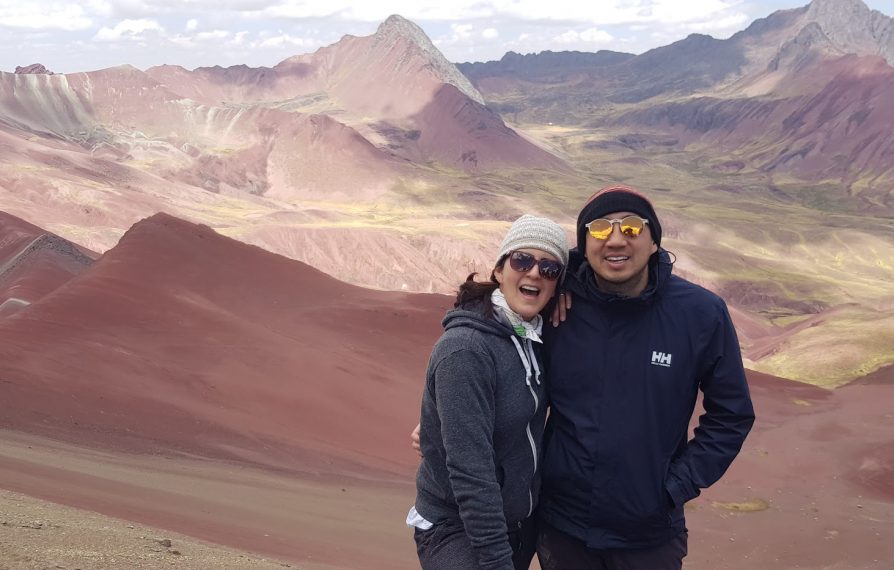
(417, 10)
(721, 27)
(142, 8)
(129, 30)
(212, 35)
(300, 9)
(590, 36)
(42, 16)
(615, 12)
(603, 13)
(461, 31)
(284, 40)
(466, 38)
(192, 24)
(193, 40)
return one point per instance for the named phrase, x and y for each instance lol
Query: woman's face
(526, 292)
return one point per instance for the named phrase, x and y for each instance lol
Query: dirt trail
(329, 523)
(37, 535)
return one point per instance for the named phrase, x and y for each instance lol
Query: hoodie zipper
(525, 355)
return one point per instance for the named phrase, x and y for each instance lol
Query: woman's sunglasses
(631, 226)
(523, 262)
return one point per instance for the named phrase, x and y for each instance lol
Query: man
(624, 371)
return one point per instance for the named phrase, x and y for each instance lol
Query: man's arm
(728, 417)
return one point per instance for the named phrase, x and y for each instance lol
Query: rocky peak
(853, 28)
(33, 69)
(799, 51)
(397, 28)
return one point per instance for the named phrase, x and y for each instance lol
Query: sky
(69, 36)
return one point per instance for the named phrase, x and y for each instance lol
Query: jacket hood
(473, 316)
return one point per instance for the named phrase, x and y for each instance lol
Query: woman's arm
(464, 388)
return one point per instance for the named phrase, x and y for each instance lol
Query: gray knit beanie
(535, 233)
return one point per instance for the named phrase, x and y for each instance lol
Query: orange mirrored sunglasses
(631, 226)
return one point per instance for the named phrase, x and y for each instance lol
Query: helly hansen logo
(661, 359)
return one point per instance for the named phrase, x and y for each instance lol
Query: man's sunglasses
(631, 226)
(523, 262)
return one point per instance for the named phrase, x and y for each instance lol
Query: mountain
(763, 138)
(808, 81)
(826, 28)
(193, 382)
(374, 160)
(395, 76)
(33, 263)
(181, 339)
(323, 153)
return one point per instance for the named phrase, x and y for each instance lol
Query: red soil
(457, 131)
(819, 468)
(179, 338)
(180, 341)
(33, 263)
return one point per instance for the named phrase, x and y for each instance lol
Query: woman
(483, 411)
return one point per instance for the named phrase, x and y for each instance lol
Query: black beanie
(613, 199)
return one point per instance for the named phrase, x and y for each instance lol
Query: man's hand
(560, 311)
(414, 440)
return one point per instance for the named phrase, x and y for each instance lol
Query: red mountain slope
(33, 263)
(181, 339)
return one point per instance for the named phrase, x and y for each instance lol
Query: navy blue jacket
(623, 377)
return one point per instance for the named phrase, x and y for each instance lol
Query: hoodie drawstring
(528, 359)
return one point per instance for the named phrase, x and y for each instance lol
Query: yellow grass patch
(746, 506)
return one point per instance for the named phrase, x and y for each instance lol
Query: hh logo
(661, 359)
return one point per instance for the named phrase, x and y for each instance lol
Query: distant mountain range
(769, 154)
(803, 92)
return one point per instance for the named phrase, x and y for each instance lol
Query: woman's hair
(473, 292)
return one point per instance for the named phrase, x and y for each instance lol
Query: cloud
(192, 24)
(461, 31)
(135, 9)
(212, 35)
(615, 12)
(42, 16)
(129, 30)
(467, 36)
(602, 13)
(300, 9)
(195, 39)
(589, 36)
(283, 40)
(720, 27)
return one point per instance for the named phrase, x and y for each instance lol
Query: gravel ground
(35, 534)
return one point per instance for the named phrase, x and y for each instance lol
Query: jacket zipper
(525, 354)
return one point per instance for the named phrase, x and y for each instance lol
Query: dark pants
(445, 546)
(559, 551)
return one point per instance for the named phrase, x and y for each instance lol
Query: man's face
(621, 263)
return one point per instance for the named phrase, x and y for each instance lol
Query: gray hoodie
(483, 412)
